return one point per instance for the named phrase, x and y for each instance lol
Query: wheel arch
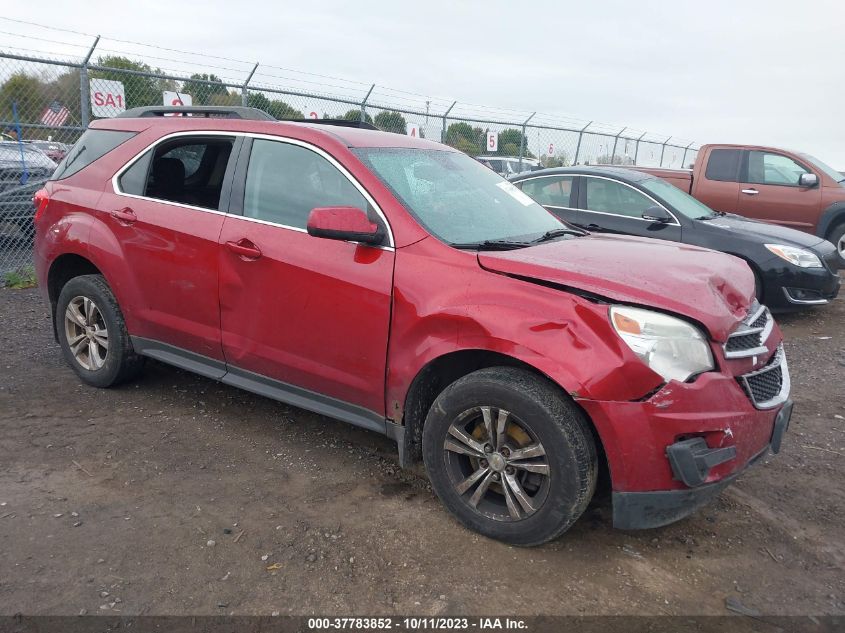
(62, 269)
(831, 218)
(442, 371)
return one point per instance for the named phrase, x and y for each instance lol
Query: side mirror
(657, 214)
(344, 223)
(808, 180)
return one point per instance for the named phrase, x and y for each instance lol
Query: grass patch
(20, 278)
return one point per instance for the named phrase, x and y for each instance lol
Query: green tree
(204, 87)
(355, 115)
(510, 141)
(28, 93)
(464, 137)
(389, 121)
(140, 90)
(275, 107)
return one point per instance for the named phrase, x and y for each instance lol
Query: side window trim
(583, 197)
(236, 205)
(746, 159)
(239, 180)
(115, 180)
(572, 194)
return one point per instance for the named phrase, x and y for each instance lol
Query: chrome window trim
(270, 137)
(631, 217)
(549, 206)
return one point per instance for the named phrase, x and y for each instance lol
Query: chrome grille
(749, 338)
(768, 386)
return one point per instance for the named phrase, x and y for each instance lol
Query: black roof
(620, 173)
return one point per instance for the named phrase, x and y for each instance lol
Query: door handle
(245, 249)
(125, 216)
(750, 192)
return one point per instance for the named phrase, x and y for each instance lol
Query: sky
(770, 73)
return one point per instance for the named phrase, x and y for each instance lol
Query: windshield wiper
(550, 235)
(491, 245)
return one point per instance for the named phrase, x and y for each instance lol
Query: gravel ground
(178, 495)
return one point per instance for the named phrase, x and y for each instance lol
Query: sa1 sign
(492, 141)
(108, 98)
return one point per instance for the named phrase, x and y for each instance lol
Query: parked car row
(792, 189)
(23, 170)
(792, 269)
(399, 285)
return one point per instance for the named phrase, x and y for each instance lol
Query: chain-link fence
(46, 102)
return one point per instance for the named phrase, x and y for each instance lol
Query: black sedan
(792, 269)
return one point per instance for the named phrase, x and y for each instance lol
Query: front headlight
(671, 347)
(801, 257)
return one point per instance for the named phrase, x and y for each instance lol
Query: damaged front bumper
(642, 510)
(674, 451)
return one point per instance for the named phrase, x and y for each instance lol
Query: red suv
(399, 285)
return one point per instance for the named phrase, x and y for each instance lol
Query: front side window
(284, 182)
(550, 191)
(455, 197)
(766, 168)
(188, 171)
(609, 196)
(723, 165)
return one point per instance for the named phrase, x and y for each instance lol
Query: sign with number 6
(492, 141)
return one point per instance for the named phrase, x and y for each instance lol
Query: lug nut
(488, 448)
(506, 452)
(484, 463)
(510, 470)
(495, 476)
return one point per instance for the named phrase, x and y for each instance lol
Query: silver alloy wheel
(496, 464)
(86, 333)
(840, 246)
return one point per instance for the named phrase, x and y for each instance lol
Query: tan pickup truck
(764, 183)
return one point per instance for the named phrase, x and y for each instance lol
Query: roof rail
(219, 112)
(339, 122)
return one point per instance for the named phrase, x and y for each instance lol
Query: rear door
(611, 206)
(718, 185)
(304, 317)
(556, 193)
(770, 191)
(165, 213)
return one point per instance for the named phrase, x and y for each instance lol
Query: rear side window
(134, 179)
(723, 165)
(187, 171)
(550, 191)
(92, 145)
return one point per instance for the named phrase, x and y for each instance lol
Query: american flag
(55, 114)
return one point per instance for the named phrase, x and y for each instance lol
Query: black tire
(106, 367)
(837, 238)
(541, 411)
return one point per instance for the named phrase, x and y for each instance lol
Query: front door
(610, 206)
(771, 191)
(303, 315)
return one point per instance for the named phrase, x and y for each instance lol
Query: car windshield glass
(679, 201)
(830, 171)
(458, 199)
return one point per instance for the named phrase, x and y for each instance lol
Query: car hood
(709, 287)
(761, 232)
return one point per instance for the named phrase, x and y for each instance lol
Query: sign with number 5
(492, 141)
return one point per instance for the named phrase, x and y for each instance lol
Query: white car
(508, 165)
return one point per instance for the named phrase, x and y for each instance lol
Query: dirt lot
(179, 495)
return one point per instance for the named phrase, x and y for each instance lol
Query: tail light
(40, 200)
